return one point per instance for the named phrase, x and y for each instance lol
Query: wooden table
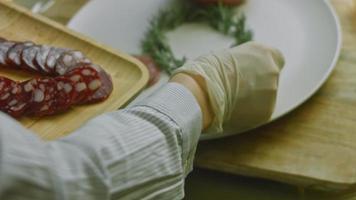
(314, 146)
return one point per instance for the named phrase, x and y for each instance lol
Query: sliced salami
(52, 58)
(82, 78)
(4, 48)
(70, 60)
(28, 59)
(20, 100)
(14, 54)
(41, 59)
(71, 79)
(152, 67)
(105, 85)
(6, 86)
(66, 94)
(43, 97)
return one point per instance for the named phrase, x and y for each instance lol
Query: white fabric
(242, 85)
(143, 152)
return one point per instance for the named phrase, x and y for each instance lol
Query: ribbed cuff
(179, 104)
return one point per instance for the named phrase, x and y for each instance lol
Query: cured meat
(41, 59)
(82, 78)
(105, 85)
(28, 59)
(51, 61)
(14, 54)
(70, 79)
(4, 48)
(6, 86)
(153, 70)
(43, 97)
(69, 60)
(20, 100)
(66, 94)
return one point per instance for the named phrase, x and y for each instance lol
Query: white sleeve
(143, 152)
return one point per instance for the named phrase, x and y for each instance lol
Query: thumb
(278, 58)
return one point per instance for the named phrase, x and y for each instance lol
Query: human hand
(241, 84)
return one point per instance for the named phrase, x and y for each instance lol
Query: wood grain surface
(314, 146)
(61, 11)
(129, 76)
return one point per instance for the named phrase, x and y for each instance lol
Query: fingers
(241, 83)
(278, 58)
(267, 56)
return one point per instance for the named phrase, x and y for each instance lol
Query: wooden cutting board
(314, 146)
(129, 76)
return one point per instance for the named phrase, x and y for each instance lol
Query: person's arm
(143, 152)
(196, 86)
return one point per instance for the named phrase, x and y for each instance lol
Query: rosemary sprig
(220, 17)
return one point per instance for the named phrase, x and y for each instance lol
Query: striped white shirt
(142, 152)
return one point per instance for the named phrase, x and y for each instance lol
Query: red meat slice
(4, 48)
(43, 97)
(103, 85)
(6, 86)
(14, 54)
(152, 67)
(28, 59)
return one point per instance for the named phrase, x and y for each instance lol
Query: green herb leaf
(220, 17)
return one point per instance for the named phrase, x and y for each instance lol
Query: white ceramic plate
(306, 31)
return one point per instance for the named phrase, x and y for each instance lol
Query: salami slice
(82, 78)
(105, 85)
(6, 86)
(28, 59)
(14, 54)
(41, 59)
(12, 94)
(20, 100)
(4, 82)
(152, 67)
(4, 48)
(43, 97)
(70, 60)
(66, 94)
(52, 58)
(92, 79)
